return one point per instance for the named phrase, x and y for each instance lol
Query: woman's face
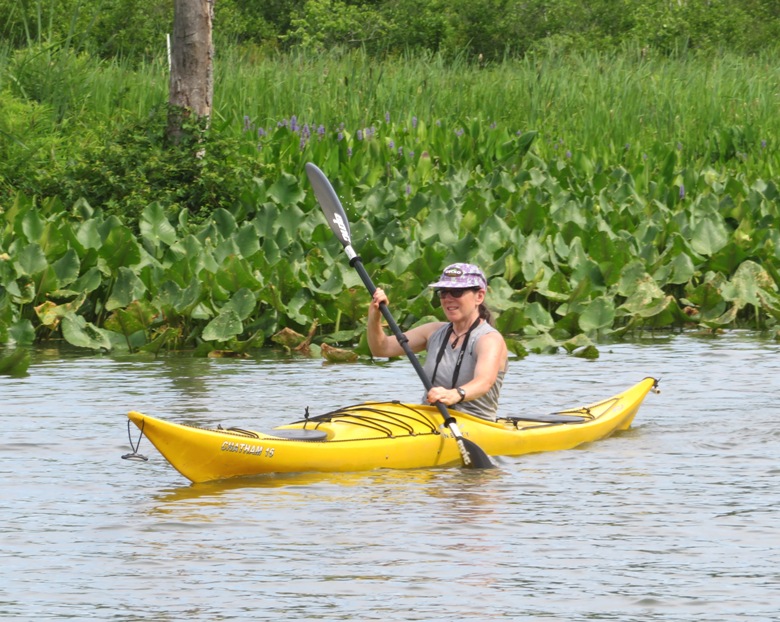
(460, 307)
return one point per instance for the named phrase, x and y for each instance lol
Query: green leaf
(224, 221)
(599, 314)
(747, 283)
(287, 190)
(155, 227)
(709, 236)
(127, 288)
(80, 333)
(226, 325)
(159, 341)
(539, 316)
(16, 363)
(590, 353)
(67, 268)
(246, 240)
(31, 260)
(236, 273)
(136, 317)
(243, 303)
(88, 235)
(21, 332)
(120, 249)
(32, 226)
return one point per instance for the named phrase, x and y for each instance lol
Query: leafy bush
(137, 165)
(491, 28)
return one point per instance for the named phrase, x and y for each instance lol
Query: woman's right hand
(378, 298)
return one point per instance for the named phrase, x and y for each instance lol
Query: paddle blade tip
(474, 457)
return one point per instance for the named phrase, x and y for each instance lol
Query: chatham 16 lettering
(252, 450)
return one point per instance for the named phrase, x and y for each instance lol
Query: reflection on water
(674, 519)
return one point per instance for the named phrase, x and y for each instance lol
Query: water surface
(676, 519)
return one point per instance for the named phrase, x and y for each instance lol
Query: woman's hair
(485, 313)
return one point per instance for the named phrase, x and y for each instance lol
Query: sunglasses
(455, 293)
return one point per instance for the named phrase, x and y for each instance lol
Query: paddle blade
(473, 455)
(329, 203)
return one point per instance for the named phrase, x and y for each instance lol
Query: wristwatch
(462, 392)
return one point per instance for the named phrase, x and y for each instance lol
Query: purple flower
(340, 136)
(391, 144)
(247, 123)
(349, 152)
(459, 132)
(414, 123)
(679, 146)
(294, 123)
(359, 135)
(261, 132)
(387, 117)
(628, 146)
(682, 191)
(763, 144)
(400, 151)
(408, 189)
(568, 153)
(321, 131)
(493, 125)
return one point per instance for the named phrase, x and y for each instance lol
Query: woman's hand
(448, 397)
(378, 298)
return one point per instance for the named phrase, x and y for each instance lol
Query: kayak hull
(376, 435)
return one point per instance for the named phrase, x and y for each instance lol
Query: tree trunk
(191, 86)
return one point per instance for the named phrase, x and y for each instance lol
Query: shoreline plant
(615, 197)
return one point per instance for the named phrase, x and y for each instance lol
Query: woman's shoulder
(486, 329)
(420, 336)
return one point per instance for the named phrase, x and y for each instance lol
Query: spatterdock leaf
(226, 325)
(155, 227)
(78, 332)
(599, 314)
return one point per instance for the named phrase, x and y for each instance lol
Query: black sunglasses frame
(455, 292)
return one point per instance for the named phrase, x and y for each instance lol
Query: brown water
(676, 519)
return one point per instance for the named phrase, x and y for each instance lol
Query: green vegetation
(603, 192)
(490, 29)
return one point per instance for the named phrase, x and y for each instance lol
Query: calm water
(676, 519)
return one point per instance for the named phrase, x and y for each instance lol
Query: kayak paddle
(473, 456)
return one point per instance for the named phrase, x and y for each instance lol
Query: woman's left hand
(448, 397)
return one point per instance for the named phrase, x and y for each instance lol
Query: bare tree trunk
(191, 86)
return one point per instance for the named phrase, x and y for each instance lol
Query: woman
(467, 357)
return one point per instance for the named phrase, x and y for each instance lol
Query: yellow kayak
(374, 435)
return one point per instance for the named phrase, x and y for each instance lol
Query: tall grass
(603, 105)
(721, 110)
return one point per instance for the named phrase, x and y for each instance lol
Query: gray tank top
(486, 406)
